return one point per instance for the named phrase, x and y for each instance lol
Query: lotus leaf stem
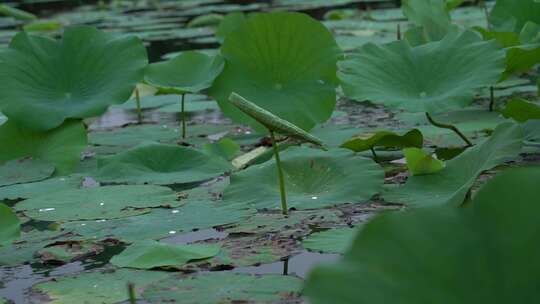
(183, 113)
(286, 266)
(374, 154)
(281, 179)
(491, 99)
(131, 293)
(138, 102)
(450, 127)
(398, 31)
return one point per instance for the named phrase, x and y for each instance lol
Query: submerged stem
(450, 127)
(491, 99)
(138, 102)
(183, 113)
(281, 179)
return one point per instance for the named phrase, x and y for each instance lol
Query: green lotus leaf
(158, 101)
(24, 170)
(189, 72)
(224, 287)
(512, 15)
(45, 81)
(98, 203)
(229, 24)
(16, 13)
(421, 163)
(96, 286)
(521, 110)
(434, 77)
(431, 15)
(61, 147)
(134, 135)
(337, 240)
(30, 190)
(273, 61)
(153, 163)
(151, 254)
(22, 249)
(387, 139)
(43, 26)
(422, 256)
(63, 252)
(313, 179)
(205, 20)
(10, 228)
(271, 121)
(450, 185)
(225, 148)
(193, 106)
(160, 223)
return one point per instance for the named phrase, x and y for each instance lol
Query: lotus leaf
(61, 147)
(229, 24)
(431, 15)
(313, 179)
(224, 287)
(24, 171)
(45, 82)
(422, 256)
(134, 135)
(421, 163)
(450, 185)
(337, 240)
(97, 287)
(366, 141)
(273, 60)
(160, 223)
(271, 121)
(521, 110)
(434, 77)
(16, 13)
(153, 163)
(30, 190)
(151, 254)
(225, 148)
(189, 72)
(97, 203)
(10, 227)
(23, 249)
(512, 15)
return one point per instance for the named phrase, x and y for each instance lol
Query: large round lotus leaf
(271, 121)
(96, 203)
(313, 179)
(149, 254)
(97, 287)
(133, 135)
(22, 249)
(61, 147)
(10, 227)
(451, 184)
(424, 256)
(274, 60)
(152, 163)
(160, 223)
(224, 287)
(29, 190)
(511, 15)
(434, 77)
(44, 81)
(24, 170)
(189, 72)
(336, 240)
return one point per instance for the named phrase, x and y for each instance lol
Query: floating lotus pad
(160, 223)
(337, 240)
(394, 253)
(10, 228)
(521, 110)
(434, 77)
(97, 203)
(224, 287)
(296, 83)
(189, 72)
(420, 162)
(450, 185)
(97, 287)
(61, 147)
(152, 163)
(151, 254)
(45, 82)
(366, 141)
(313, 179)
(30, 190)
(24, 171)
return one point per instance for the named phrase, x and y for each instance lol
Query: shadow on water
(299, 265)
